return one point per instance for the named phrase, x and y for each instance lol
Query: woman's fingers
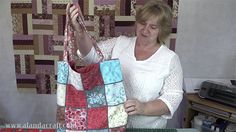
(71, 11)
(130, 107)
(130, 110)
(74, 13)
(134, 107)
(80, 12)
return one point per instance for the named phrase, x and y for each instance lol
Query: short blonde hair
(157, 8)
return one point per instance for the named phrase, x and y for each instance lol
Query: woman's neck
(147, 45)
(143, 51)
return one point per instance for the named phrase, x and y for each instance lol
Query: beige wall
(206, 38)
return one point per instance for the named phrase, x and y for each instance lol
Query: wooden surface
(192, 111)
(195, 98)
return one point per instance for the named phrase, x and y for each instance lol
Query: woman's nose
(146, 29)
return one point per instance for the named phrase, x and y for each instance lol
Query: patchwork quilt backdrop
(38, 29)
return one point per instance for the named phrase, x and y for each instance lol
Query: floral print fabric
(111, 71)
(115, 93)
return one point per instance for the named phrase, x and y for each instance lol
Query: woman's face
(147, 31)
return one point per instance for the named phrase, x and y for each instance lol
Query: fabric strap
(69, 40)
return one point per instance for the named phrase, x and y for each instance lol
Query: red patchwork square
(75, 98)
(97, 118)
(91, 76)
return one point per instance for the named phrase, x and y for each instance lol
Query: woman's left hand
(134, 107)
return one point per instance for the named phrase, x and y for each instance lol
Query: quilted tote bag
(90, 97)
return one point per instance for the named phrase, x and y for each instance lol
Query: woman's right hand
(73, 14)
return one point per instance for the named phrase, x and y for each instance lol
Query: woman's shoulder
(125, 41)
(165, 51)
(167, 55)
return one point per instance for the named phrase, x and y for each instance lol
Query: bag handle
(69, 40)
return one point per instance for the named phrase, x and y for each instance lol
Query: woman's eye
(142, 23)
(154, 27)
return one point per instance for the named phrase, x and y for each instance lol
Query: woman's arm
(106, 47)
(83, 40)
(155, 107)
(86, 49)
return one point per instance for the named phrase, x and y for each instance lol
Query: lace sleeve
(106, 48)
(172, 92)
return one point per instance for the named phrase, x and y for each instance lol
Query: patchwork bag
(90, 97)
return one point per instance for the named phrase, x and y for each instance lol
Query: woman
(152, 73)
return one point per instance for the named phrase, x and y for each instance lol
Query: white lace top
(158, 77)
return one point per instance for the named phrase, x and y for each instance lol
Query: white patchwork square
(75, 79)
(61, 94)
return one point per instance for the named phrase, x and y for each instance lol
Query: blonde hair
(159, 9)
